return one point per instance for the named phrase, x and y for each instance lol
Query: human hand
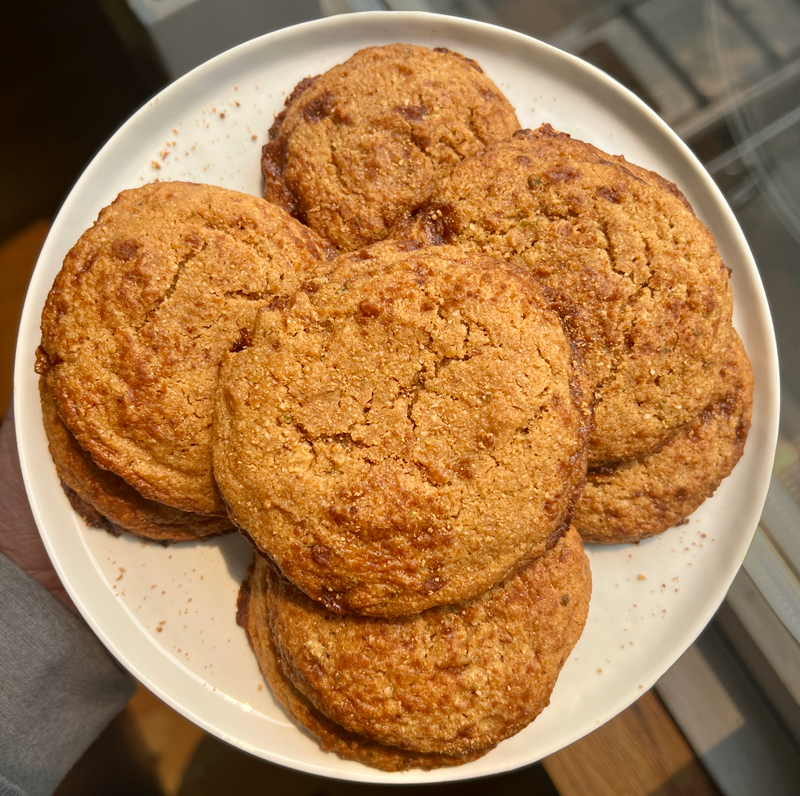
(19, 537)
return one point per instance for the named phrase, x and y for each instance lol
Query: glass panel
(777, 21)
(681, 27)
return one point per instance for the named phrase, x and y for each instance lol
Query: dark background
(72, 73)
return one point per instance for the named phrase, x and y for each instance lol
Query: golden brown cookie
(452, 679)
(405, 433)
(106, 501)
(358, 146)
(646, 496)
(169, 278)
(636, 275)
(252, 616)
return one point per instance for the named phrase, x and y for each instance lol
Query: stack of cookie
(632, 272)
(619, 255)
(397, 393)
(404, 442)
(642, 289)
(169, 278)
(439, 688)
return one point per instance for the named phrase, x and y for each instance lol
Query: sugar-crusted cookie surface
(359, 145)
(169, 278)
(452, 679)
(406, 432)
(253, 616)
(106, 501)
(646, 496)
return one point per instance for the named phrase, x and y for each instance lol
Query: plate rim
(767, 389)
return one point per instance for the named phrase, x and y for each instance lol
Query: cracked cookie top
(405, 431)
(636, 276)
(169, 278)
(358, 146)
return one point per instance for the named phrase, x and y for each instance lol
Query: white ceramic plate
(168, 614)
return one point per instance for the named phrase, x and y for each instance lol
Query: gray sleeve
(59, 687)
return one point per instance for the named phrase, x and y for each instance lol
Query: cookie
(450, 680)
(105, 501)
(169, 278)
(252, 616)
(358, 146)
(646, 496)
(405, 433)
(636, 276)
